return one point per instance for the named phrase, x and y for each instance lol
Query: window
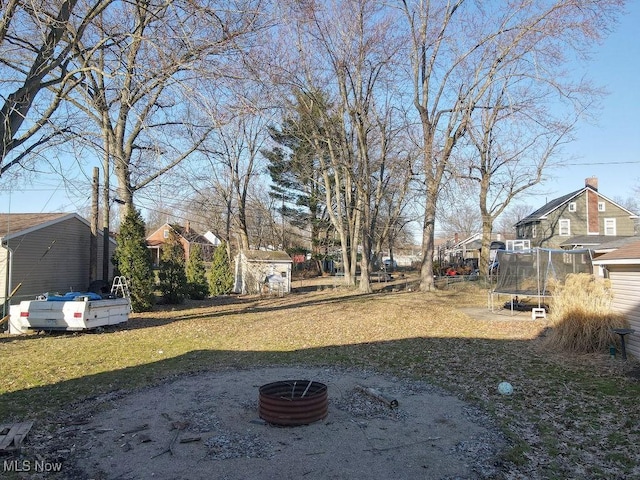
(601, 206)
(572, 207)
(533, 231)
(565, 227)
(166, 233)
(609, 226)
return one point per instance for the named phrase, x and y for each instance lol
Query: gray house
(581, 219)
(622, 267)
(45, 252)
(261, 271)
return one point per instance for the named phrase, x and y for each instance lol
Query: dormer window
(601, 206)
(572, 206)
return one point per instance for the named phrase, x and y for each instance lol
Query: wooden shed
(622, 267)
(45, 252)
(259, 271)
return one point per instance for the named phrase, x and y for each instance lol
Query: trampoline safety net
(535, 272)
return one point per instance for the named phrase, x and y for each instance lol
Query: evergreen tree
(294, 167)
(172, 276)
(220, 276)
(133, 261)
(197, 285)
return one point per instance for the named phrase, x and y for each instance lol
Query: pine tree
(197, 285)
(220, 276)
(133, 261)
(172, 276)
(296, 174)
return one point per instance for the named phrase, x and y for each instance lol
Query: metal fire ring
(293, 402)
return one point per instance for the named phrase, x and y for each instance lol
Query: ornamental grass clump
(581, 315)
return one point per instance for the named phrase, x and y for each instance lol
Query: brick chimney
(187, 227)
(593, 220)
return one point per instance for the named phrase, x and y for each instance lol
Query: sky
(608, 150)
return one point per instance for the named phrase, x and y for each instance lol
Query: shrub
(220, 276)
(171, 275)
(581, 316)
(133, 260)
(197, 285)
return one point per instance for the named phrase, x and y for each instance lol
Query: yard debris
(12, 435)
(372, 392)
(190, 439)
(103, 430)
(139, 428)
(179, 426)
(144, 438)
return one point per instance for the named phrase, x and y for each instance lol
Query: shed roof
(267, 256)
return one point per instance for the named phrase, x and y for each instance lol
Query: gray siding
(547, 230)
(53, 259)
(625, 281)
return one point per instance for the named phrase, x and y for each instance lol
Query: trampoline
(536, 272)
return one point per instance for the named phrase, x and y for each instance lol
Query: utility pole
(93, 242)
(105, 207)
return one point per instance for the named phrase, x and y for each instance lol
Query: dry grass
(581, 315)
(570, 416)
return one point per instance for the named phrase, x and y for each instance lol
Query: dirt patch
(207, 426)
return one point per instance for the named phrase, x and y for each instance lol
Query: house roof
(549, 207)
(17, 224)
(267, 256)
(601, 241)
(189, 235)
(14, 224)
(626, 255)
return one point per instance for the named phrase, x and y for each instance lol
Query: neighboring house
(259, 271)
(467, 251)
(187, 237)
(209, 235)
(622, 267)
(46, 252)
(581, 219)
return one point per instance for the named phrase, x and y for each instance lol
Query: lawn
(569, 417)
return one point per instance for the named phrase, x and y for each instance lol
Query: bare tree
(458, 209)
(460, 49)
(510, 216)
(354, 143)
(142, 91)
(37, 42)
(515, 136)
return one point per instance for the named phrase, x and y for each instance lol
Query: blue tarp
(71, 296)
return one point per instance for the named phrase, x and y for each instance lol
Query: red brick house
(187, 237)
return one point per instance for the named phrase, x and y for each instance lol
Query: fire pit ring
(293, 402)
